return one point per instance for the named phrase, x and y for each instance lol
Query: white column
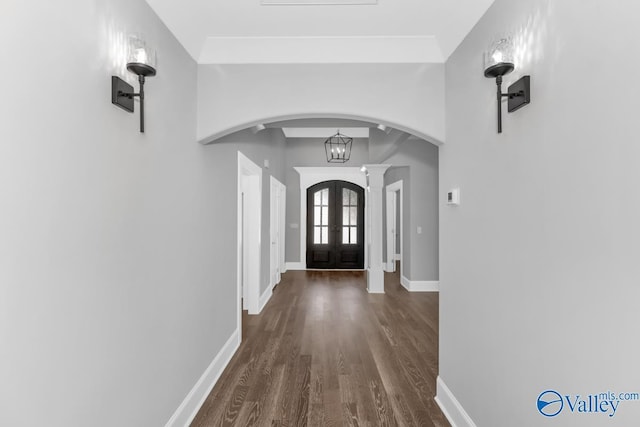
(375, 270)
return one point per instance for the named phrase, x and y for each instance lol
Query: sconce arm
(128, 95)
(512, 95)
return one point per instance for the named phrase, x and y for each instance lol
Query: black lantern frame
(338, 148)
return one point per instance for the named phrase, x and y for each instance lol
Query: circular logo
(550, 403)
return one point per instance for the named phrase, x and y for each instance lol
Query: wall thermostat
(453, 197)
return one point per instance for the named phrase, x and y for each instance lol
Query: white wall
(112, 300)
(265, 145)
(416, 163)
(539, 264)
(382, 145)
(409, 97)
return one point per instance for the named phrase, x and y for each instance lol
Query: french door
(335, 225)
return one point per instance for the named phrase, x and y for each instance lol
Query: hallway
(325, 352)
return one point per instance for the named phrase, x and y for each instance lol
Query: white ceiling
(391, 31)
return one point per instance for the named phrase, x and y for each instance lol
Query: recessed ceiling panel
(325, 132)
(317, 2)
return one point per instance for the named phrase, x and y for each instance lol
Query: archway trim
(210, 139)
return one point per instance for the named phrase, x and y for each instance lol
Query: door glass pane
(345, 235)
(354, 199)
(354, 236)
(325, 197)
(320, 235)
(345, 216)
(321, 197)
(347, 197)
(353, 216)
(321, 217)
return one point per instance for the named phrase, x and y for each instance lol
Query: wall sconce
(141, 61)
(384, 128)
(499, 61)
(258, 128)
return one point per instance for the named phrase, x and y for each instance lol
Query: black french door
(335, 225)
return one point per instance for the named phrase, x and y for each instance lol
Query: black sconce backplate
(519, 94)
(121, 94)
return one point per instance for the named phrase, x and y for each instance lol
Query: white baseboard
(389, 267)
(451, 408)
(420, 286)
(264, 298)
(191, 404)
(296, 266)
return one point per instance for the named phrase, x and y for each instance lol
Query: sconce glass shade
(499, 59)
(338, 148)
(141, 60)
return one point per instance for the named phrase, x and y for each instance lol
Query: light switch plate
(453, 197)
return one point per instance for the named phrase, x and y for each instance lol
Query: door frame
(310, 176)
(390, 228)
(283, 227)
(277, 230)
(394, 191)
(249, 242)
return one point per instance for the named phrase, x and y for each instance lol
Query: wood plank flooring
(324, 352)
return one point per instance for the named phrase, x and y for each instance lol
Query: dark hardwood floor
(324, 352)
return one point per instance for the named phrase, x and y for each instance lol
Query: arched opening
(384, 125)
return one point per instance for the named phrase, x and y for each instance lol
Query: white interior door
(394, 227)
(282, 222)
(391, 231)
(274, 240)
(277, 223)
(249, 229)
(243, 252)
